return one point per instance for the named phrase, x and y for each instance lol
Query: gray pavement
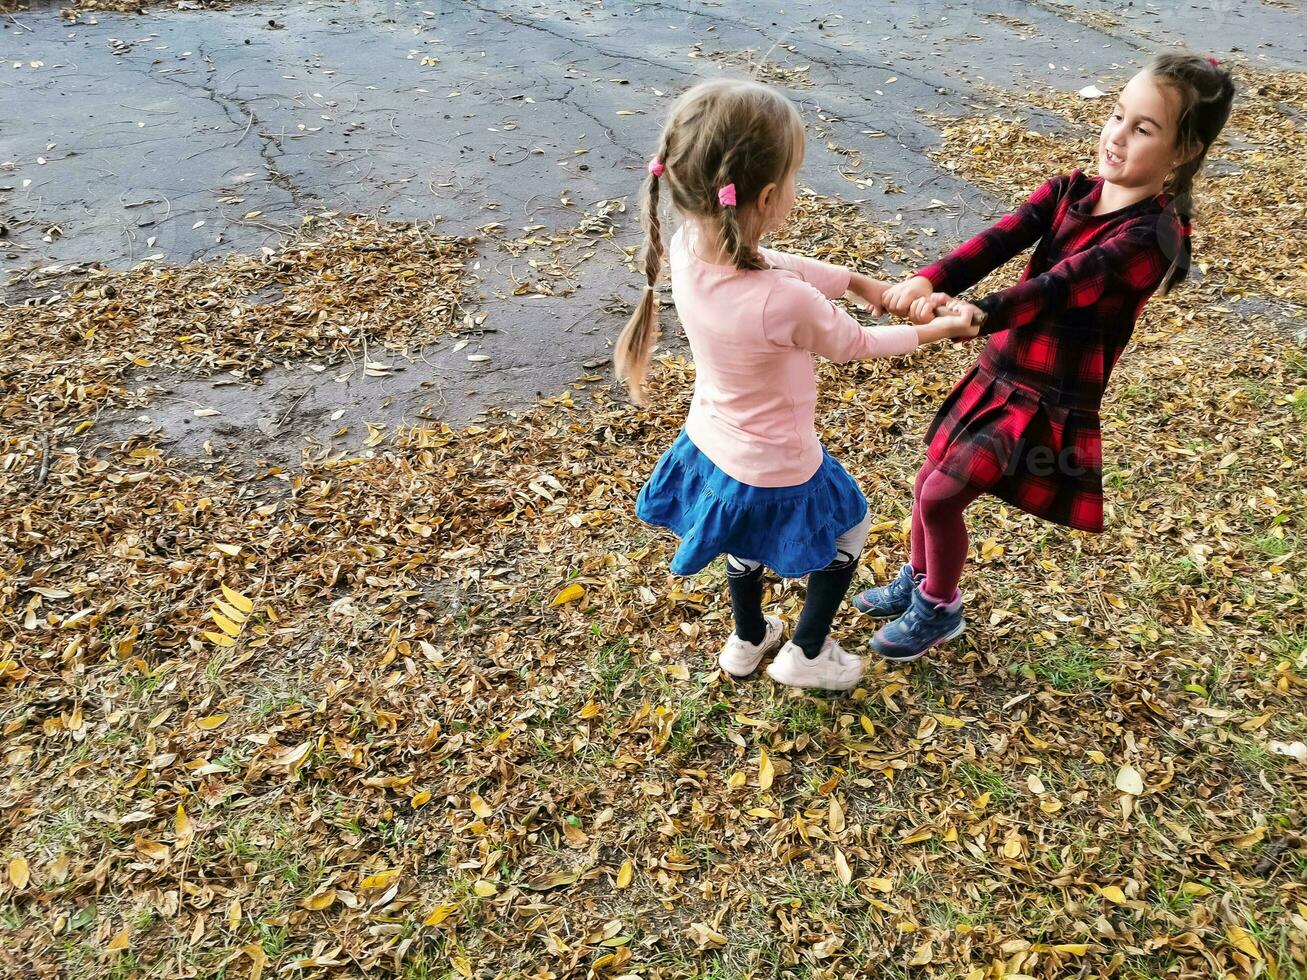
(151, 138)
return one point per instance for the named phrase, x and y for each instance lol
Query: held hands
(960, 322)
(898, 298)
(916, 300)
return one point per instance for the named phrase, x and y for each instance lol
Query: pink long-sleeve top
(753, 334)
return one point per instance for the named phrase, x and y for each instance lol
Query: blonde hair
(718, 133)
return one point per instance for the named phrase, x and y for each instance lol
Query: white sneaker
(831, 670)
(740, 659)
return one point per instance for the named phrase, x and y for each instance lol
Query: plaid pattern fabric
(1023, 424)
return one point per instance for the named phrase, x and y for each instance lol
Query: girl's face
(1137, 148)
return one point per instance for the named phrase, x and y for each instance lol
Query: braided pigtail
(634, 346)
(734, 242)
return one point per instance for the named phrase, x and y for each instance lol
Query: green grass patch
(979, 780)
(1069, 666)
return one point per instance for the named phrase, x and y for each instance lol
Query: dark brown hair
(719, 132)
(1206, 92)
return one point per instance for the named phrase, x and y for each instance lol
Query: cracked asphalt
(150, 138)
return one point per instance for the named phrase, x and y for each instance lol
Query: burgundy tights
(939, 533)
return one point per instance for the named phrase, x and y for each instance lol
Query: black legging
(826, 590)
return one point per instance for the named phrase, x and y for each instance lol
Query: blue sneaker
(892, 599)
(925, 625)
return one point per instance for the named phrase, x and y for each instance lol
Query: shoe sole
(809, 687)
(962, 626)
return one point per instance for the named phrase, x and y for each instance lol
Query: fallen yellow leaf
(835, 819)
(1240, 940)
(258, 959)
(19, 872)
(151, 849)
(842, 868)
(182, 827)
(625, 874)
(439, 914)
(569, 594)
(923, 955)
(1129, 781)
(379, 880)
(237, 600)
(225, 624)
(321, 901)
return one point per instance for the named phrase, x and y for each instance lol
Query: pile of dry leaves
(76, 7)
(439, 711)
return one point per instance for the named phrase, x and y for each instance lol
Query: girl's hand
(867, 293)
(959, 324)
(922, 309)
(898, 298)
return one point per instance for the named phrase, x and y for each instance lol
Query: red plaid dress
(1023, 423)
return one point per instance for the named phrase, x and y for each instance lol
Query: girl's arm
(867, 292)
(797, 315)
(967, 264)
(1132, 257)
(832, 281)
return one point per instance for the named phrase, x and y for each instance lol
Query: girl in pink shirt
(747, 477)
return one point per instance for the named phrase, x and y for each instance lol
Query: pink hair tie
(1213, 62)
(726, 196)
(656, 167)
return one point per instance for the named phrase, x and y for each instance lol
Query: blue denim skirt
(791, 530)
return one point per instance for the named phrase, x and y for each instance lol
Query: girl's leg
(917, 537)
(934, 615)
(893, 598)
(941, 501)
(744, 579)
(827, 588)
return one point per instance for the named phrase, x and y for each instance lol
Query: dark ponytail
(1206, 92)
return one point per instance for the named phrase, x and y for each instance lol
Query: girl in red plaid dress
(1023, 424)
